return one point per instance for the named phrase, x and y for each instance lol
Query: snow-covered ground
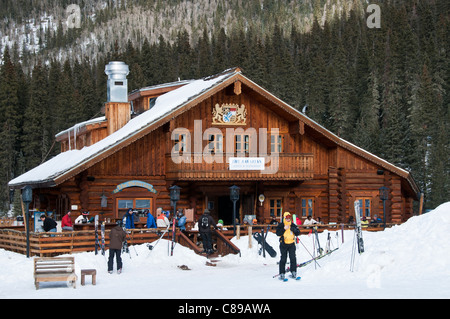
(407, 261)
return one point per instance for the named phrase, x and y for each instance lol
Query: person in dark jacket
(287, 231)
(49, 224)
(204, 227)
(116, 238)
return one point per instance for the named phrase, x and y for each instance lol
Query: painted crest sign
(229, 114)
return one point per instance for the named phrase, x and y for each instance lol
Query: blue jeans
(53, 230)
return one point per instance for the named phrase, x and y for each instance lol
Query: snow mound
(411, 260)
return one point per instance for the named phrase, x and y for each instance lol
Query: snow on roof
(164, 104)
(77, 126)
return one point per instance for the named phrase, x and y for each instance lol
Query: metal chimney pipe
(117, 84)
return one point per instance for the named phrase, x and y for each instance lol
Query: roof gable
(169, 106)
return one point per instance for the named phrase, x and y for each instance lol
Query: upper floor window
(215, 144)
(180, 142)
(242, 143)
(276, 143)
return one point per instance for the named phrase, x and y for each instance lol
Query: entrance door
(225, 209)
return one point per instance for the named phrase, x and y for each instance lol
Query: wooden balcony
(195, 167)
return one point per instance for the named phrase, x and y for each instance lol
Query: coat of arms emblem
(229, 114)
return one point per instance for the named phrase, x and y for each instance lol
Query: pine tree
(10, 119)
(36, 139)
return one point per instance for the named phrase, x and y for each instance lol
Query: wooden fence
(51, 244)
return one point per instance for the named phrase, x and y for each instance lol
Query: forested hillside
(385, 89)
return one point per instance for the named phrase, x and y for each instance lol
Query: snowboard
(264, 244)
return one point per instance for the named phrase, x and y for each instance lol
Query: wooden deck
(53, 244)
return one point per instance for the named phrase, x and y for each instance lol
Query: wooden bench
(54, 269)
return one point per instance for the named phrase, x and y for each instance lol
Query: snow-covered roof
(164, 104)
(67, 163)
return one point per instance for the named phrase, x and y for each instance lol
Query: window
(364, 206)
(276, 207)
(137, 204)
(180, 142)
(307, 207)
(215, 144)
(276, 143)
(242, 143)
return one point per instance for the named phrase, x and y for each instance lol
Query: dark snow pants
(113, 252)
(286, 249)
(207, 242)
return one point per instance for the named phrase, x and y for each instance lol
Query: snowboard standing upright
(261, 239)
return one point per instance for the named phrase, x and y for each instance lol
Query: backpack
(205, 222)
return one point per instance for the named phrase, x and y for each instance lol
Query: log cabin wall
(336, 179)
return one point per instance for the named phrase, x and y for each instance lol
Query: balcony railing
(200, 167)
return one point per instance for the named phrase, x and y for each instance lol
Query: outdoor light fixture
(104, 200)
(384, 196)
(234, 196)
(27, 196)
(174, 193)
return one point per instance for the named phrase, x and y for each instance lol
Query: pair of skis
(97, 242)
(358, 236)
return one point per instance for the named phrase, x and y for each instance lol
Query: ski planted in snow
(319, 249)
(103, 238)
(173, 235)
(96, 234)
(359, 239)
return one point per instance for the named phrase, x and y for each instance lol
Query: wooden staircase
(224, 245)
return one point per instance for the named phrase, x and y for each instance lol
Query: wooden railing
(52, 244)
(281, 167)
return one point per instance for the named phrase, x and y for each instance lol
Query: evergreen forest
(384, 89)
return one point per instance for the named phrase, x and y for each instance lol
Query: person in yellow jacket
(287, 231)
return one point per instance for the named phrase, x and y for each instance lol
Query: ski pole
(308, 251)
(150, 247)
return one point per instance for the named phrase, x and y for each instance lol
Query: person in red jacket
(66, 222)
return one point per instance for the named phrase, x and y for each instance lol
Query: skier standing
(287, 231)
(116, 238)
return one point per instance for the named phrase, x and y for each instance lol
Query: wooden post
(238, 232)
(249, 236)
(421, 204)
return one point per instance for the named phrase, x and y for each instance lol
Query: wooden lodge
(205, 136)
